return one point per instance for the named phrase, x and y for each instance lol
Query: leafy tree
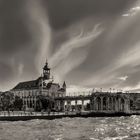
(44, 103)
(18, 103)
(7, 99)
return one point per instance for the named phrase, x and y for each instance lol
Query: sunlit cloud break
(133, 11)
(123, 78)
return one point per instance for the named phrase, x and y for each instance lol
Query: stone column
(29, 102)
(82, 104)
(32, 102)
(108, 103)
(76, 105)
(35, 103)
(101, 103)
(126, 105)
(119, 104)
(26, 103)
(115, 104)
(112, 104)
(93, 104)
(69, 105)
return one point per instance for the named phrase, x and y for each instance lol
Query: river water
(117, 128)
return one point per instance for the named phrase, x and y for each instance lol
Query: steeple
(64, 85)
(46, 71)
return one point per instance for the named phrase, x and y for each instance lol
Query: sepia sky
(88, 43)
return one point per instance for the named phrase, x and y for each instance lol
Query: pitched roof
(27, 85)
(34, 84)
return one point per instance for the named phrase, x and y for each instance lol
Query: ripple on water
(116, 128)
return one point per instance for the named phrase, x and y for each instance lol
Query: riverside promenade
(24, 116)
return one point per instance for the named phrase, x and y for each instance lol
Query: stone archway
(110, 103)
(98, 101)
(113, 103)
(104, 103)
(122, 104)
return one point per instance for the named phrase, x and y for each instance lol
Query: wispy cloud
(70, 56)
(132, 12)
(123, 78)
(38, 16)
(75, 42)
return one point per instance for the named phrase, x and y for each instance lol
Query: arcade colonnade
(110, 102)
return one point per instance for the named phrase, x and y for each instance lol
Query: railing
(21, 113)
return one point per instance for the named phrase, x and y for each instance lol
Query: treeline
(9, 102)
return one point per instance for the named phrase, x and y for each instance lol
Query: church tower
(64, 86)
(46, 72)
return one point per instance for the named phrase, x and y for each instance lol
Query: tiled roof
(27, 85)
(34, 84)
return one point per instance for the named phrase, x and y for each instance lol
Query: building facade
(31, 91)
(110, 102)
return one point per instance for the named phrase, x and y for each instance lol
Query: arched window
(98, 100)
(105, 103)
(122, 102)
(110, 104)
(114, 103)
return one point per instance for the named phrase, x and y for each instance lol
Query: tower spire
(64, 85)
(46, 71)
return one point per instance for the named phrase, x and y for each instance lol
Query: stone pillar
(32, 102)
(82, 104)
(112, 104)
(59, 105)
(94, 104)
(115, 105)
(26, 103)
(23, 99)
(35, 103)
(29, 102)
(119, 104)
(69, 105)
(101, 103)
(127, 105)
(76, 105)
(108, 103)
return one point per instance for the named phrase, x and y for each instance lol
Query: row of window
(36, 93)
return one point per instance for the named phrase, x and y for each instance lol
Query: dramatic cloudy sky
(88, 43)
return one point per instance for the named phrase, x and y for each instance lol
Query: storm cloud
(91, 43)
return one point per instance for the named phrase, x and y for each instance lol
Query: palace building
(44, 86)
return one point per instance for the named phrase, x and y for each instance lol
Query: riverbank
(24, 116)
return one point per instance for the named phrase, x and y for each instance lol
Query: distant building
(42, 86)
